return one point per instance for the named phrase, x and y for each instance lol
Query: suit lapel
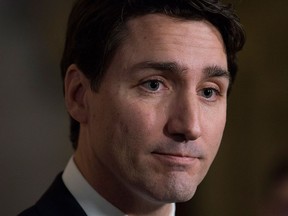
(57, 201)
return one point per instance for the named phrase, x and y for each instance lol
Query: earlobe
(76, 87)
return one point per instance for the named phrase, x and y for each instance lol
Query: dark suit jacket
(56, 201)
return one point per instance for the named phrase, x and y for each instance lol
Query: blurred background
(34, 125)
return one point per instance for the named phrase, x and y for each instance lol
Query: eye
(209, 93)
(152, 85)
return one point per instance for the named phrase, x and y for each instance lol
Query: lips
(182, 155)
(175, 159)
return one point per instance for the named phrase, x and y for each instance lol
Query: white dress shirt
(91, 202)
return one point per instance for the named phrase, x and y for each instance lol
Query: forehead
(156, 37)
(165, 29)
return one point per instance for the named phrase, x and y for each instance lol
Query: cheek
(137, 128)
(130, 139)
(214, 128)
(140, 121)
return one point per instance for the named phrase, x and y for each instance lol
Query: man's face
(156, 122)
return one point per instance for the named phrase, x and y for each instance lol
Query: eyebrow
(209, 72)
(161, 66)
(216, 71)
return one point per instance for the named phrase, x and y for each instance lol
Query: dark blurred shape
(275, 202)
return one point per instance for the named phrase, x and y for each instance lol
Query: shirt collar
(92, 203)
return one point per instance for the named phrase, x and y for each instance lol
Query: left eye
(209, 92)
(152, 85)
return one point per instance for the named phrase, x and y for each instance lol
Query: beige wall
(34, 125)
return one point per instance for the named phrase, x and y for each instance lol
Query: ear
(76, 89)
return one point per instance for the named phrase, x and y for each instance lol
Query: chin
(183, 195)
(173, 193)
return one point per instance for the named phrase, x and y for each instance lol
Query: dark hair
(97, 27)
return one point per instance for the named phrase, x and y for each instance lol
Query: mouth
(175, 159)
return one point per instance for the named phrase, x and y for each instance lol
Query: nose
(184, 121)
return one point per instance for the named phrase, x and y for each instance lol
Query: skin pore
(150, 133)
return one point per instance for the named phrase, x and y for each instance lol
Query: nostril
(182, 131)
(174, 134)
(178, 137)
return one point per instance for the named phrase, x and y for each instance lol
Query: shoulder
(56, 201)
(30, 212)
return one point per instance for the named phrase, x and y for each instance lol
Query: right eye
(153, 85)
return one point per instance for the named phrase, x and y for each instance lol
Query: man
(146, 86)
